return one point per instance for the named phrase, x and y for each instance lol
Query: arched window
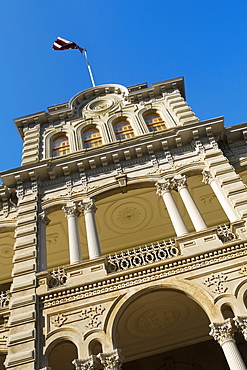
(123, 130)
(60, 146)
(154, 122)
(91, 138)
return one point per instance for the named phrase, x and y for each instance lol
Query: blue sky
(128, 42)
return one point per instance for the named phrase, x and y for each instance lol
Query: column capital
(71, 210)
(223, 332)
(43, 218)
(206, 176)
(241, 324)
(179, 182)
(87, 205)
(163, 186)
(91, 363)
(111, 361)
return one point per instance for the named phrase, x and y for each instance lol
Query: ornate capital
(206, 176)
(43, 218)
(222, 332)
(88, 205)
(163, 186)
(91, 363)
(179, 182)
(241, 324)
(71, 210)
(111, 361)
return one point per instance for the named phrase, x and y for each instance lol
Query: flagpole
(89, 68)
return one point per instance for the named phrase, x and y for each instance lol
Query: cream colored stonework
(100, 260)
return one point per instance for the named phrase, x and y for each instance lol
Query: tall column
(223, 334)
(91, 230)
(241, 324)
(42, 257)
(111, 361)
(164, 190)
(194, 213)
(208, 179)
(72, 213)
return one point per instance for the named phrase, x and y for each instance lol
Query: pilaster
(21, 341)
(31, 145)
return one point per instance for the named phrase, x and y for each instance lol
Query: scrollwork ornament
(241, 324)
(88, 205)
(222, 332)
(91, 363)
(111, 361)
(58, 320)
(217, 283)
(179, 182)
(163, 186)
(206, 177)
(71, 210)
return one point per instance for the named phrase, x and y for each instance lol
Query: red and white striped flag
(62, 44)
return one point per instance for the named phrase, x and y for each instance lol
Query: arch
(191, 290)
(52, 134)
(227, 311)
(59, 335)
(62, 355)
(87, 124)
(95, 347)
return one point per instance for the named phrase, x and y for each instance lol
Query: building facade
(123, 236)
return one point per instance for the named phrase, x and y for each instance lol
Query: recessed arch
(153, 320)
(62, 355)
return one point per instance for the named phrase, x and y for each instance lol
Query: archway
(62, 355)
(164, 329)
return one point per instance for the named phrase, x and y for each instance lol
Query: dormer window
(60, 146)
(154, 122)
(91, 138)
(123, 130)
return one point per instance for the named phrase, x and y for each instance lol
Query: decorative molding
(222, 332)
(58, 277)
(217, 282)
(243, 270)
(87, 205)
(130, 279)
(58, 320)
(225, 234)
(241, 324)
(143, 255)
(92, 363)
(111, 361)
(158, 318)
(71, 210)
(4, 299)
(91, 315)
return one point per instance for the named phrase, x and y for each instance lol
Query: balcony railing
(142, 256)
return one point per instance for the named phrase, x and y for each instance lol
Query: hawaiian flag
(62, 44)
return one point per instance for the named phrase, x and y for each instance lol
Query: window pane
(155, 122)
(60, 146)
(123, 130)
(92, 138)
